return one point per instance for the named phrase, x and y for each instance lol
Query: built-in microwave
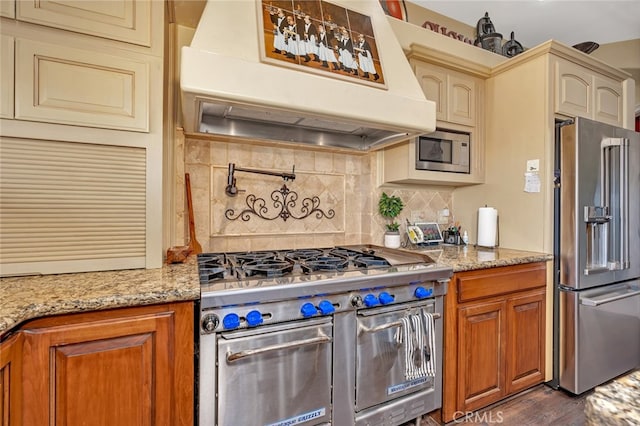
(444, 151)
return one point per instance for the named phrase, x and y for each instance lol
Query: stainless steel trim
(364, 329)
(605, 177)
(231, 357)
(593, 302)
(624, 202)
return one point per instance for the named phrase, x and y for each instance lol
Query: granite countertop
(30, 297)
(469, 258)
(25, 298)
(616, 403)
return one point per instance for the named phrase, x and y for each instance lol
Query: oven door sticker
(406, 385)
(301, 418)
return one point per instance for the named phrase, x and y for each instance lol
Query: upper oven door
(444, 151)
(381, 370)
(275, 374)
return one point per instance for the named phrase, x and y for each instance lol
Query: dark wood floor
(539, 406)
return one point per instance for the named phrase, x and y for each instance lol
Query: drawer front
(59, 84)
(494, 282)
(123, 20)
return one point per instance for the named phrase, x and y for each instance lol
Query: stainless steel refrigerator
(597, 254)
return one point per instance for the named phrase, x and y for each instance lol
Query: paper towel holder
(497, 240)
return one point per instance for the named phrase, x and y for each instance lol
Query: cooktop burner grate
(268, 268)
(302, 263)
(325, 263)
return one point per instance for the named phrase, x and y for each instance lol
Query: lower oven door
(381, 370)
(276, 375)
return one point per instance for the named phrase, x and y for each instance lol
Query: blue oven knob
(254, 318)
(422, 292)
(308, 310)
(386, 298)
(326, 307)
(370, 300)
(231, 321)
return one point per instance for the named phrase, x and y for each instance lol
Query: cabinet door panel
(526, 338)
(434, 86)
(122, 364)
(481, 351)
(122, 384)
(124, 20)
(607, 101)
(6, 76)
(573, 90)
(462, 100)
(10, 381)
(64, 85)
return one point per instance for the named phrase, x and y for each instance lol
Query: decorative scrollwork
(283, 199)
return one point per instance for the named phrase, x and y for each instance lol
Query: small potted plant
(390, 208)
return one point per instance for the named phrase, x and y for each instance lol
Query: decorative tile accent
(343, 181)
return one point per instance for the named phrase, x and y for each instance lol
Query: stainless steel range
(344, 336)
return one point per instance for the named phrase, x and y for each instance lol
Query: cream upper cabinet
(81, 98)
(6, 76)
(60, 84)
(397, 164)
(454, 93)
(457, 88)
(582, 92)
(526, 95)
(8, 8)
(123, 20)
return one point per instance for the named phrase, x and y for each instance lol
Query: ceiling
(536, 21)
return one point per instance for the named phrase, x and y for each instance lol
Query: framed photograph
(431, 232)
(320, 37)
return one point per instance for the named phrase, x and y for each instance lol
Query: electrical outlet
(443, 216)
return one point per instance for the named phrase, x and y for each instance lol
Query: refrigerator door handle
(631, 292)
(623, 196)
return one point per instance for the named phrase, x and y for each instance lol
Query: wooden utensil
(180, 253)
(193, 242)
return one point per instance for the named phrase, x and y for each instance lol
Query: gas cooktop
(236, 266)
(269, 275)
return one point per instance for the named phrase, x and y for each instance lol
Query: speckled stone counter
(25, 298)
(468, 258)
(616, 403)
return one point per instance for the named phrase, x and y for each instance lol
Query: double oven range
(334, 336)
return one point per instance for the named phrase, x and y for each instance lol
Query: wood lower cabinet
(495, 336)
(481, 346)
(10, 383)
(130, 366)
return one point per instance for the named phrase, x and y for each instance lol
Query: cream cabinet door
(454, 93)
(434, 85)
(122, 20)
(582, 92)
(462, 99)
(573, 91)
(8, 8)
(6, 76)
(60, 84)
(607, 101)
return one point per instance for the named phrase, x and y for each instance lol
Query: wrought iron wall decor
(284, 200)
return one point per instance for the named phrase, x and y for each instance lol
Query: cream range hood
(227, 90)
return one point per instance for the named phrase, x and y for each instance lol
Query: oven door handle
(364, 329)
(235, 356)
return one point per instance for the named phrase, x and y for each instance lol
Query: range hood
(230, 90)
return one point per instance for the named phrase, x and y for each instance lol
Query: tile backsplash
(343, 183)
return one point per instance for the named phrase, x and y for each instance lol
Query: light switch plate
(533, 165)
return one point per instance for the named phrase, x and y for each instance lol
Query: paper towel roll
(487, 226)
